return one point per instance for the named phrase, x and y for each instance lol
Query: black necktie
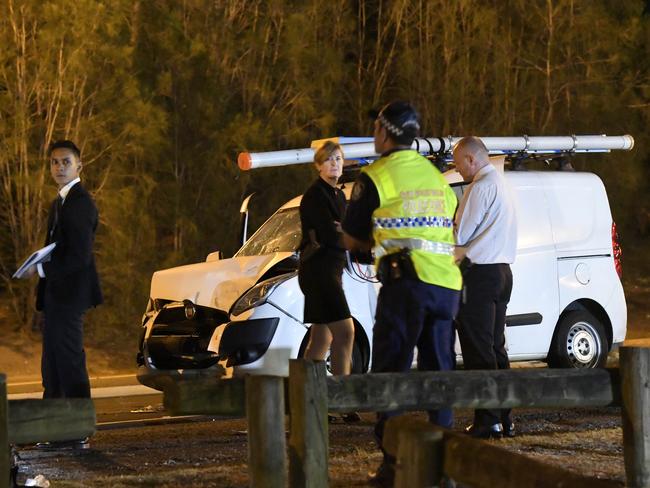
(58, 204)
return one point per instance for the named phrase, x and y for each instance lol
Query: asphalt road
(119, 400)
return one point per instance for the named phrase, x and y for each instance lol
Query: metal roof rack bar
(436, 145)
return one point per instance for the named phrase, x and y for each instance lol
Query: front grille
(176, 313)
(178, 343)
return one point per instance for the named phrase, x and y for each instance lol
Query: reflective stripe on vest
(393, 245)
(397, 222)
(416, 209)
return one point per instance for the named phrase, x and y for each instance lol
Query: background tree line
(162, 94)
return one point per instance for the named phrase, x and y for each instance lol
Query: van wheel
(357, 357)
(579, 342)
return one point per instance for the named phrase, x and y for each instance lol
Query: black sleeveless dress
(320, 272)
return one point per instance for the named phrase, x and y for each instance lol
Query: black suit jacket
(71, 276)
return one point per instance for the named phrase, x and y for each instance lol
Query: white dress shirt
(63, 192)
(486, 224)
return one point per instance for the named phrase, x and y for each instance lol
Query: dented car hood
(216, 284)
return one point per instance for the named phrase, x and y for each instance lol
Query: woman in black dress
(322, 261)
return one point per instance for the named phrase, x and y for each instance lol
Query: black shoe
(57, 445)
(81, 443)
(485, 431)
(447, 482)
(348, 418)
(384, 476)
(509, 429)
(351, 417)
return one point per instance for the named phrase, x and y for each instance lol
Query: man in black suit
(69, 283)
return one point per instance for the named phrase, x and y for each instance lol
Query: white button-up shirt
(63, 192)
(485, 224)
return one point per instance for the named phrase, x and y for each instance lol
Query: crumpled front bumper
(245, 341)
(158, 379)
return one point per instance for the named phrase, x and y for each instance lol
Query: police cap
(401, 120)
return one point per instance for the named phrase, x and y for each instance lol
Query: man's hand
(459, 253)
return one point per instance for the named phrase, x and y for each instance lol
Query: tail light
(618, 251)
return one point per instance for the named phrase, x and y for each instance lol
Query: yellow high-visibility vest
(416, 211)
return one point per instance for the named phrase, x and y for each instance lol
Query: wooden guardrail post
(308, 440)
(468, 461)
(5, 464)
(418, 447)
(206, 397)
(266, 438)
(52, 419)
(635, 386)
(483, 465)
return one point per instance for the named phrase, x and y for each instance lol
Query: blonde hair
(325, 151)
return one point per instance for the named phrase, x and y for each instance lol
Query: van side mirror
(214, 256)
(243, 211)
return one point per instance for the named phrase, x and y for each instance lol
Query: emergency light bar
(444, 145)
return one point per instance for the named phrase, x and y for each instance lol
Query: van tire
(579, 342)
(357, 357)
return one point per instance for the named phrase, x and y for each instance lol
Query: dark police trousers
(481, 326)
(63, 365)
(412, 313)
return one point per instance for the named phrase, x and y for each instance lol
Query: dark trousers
(412, 313)
(481, 326)
(63, 362)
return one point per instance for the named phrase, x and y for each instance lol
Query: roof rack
(441, 148)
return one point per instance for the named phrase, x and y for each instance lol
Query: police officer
(403, 208)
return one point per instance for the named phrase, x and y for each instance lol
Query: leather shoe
(384, 476)
(509, 429)
(81, 443)
(77, 444)
(494, 431)
(348, 418)
(351, 417)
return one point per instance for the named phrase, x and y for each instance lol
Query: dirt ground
(213, 453)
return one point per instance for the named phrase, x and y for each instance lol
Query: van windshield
(281, 233)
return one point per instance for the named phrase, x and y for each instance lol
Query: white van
(244, 314)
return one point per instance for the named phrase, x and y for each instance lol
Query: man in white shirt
(486, 240)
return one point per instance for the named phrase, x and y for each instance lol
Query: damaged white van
(244, 314)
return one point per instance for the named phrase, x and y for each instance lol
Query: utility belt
(397, 265)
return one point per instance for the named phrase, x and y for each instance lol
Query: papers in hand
(39, 256)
